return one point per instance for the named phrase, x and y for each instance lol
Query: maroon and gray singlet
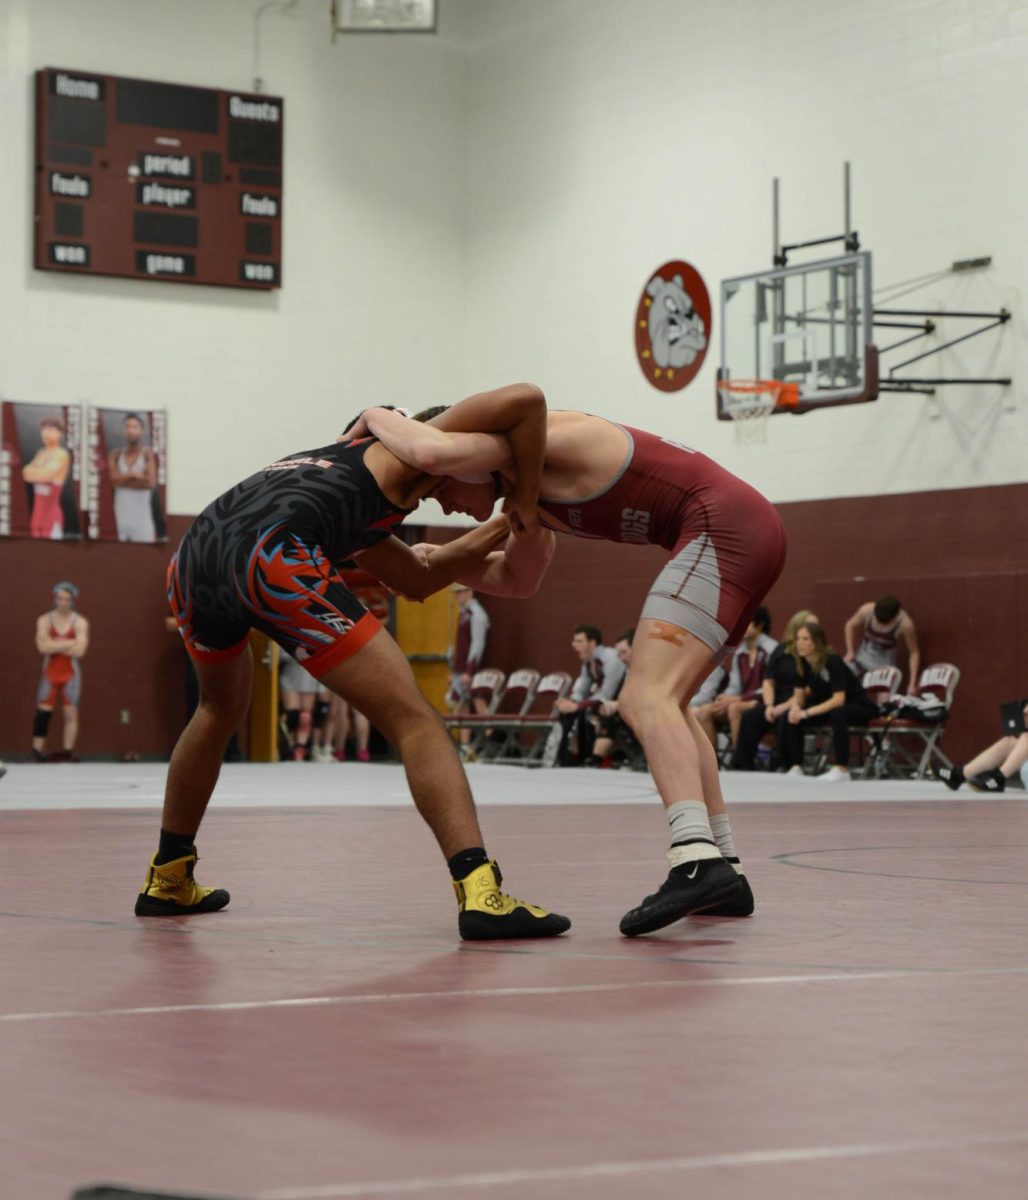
(726, 540)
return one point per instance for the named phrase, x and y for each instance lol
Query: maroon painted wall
(957, 559)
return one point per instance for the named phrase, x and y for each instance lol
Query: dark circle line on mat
(786, 861)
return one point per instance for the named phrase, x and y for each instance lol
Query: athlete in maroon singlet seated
(726, 547)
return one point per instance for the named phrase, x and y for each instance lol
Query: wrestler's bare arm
(435, 451)
(80, 645)
(46, 467)
(45, 644)
(515, 571)
(418, 576)
(853, 626)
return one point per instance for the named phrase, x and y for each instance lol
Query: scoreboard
(157, 181)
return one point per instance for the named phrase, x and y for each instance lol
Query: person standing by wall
(133, 472)
(62, 637)
(468, 653)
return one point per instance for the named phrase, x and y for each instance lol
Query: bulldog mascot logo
(672, 326)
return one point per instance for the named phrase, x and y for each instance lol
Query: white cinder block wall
(608, 136)
(374, 238)
(487, 204)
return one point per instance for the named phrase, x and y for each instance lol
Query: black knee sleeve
(321, 708)
(41, 722)
(292, 719)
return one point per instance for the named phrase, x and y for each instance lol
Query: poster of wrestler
(127, 474)
(40, 469)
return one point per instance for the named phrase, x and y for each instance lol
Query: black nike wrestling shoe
(691, 887)
(741, 905)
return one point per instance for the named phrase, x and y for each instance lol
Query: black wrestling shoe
(952, 777)
(741, 905)
(989, 781)
(691, 887)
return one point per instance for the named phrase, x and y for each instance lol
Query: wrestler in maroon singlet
(726, 540)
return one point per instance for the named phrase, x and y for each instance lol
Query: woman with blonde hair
(828, 693)
(778, 691)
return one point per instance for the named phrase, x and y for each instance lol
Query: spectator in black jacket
(778, 691)
(832, 695)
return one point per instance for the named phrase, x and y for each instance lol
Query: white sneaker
(322, 754)
(835, 775)
(794, 773)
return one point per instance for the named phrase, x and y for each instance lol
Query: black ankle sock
(465, 861)
(174, 845)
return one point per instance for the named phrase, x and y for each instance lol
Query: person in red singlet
(47, 472)
(726, 548)
(62, 637)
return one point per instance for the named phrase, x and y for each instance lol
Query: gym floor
(328, 1036)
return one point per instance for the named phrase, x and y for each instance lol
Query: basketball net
(750, 403)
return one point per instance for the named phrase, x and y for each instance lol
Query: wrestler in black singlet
(262, 556)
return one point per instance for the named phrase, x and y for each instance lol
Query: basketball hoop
(750, 403)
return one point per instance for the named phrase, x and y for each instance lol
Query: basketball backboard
(809, 325)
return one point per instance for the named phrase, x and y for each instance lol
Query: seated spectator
(712, 686)
(613, 732)
(746, 674)
(990, 770)
(599, 680)
(879, 624)
(832, 695)
(777, 691)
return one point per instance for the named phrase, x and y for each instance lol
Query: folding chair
(525, 733)
(881, 685)
(516, 702)
(486, 685)
(907, 746)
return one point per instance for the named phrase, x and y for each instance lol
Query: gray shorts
(719, 572)
(293, 678)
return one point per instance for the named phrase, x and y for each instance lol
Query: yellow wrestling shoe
(486, 913)
(171, 891)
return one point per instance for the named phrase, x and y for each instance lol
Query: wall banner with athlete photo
(128, 468)
(40, 470)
